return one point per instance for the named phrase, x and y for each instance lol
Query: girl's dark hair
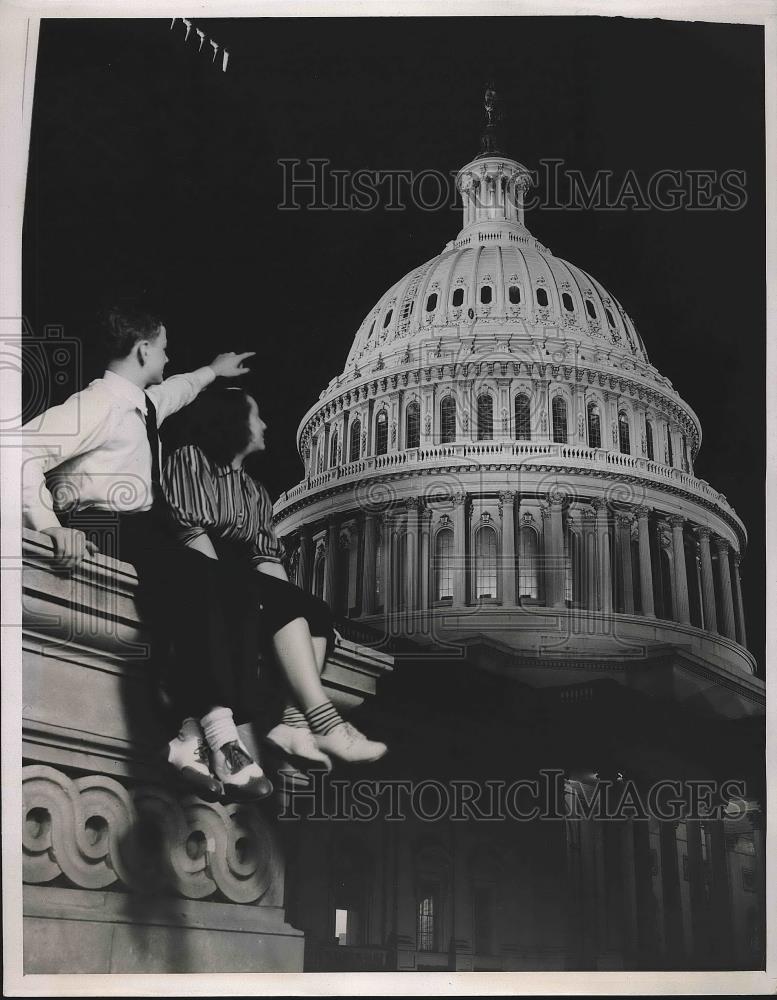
(218, 423)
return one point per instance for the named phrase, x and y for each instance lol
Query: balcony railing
(525, 453)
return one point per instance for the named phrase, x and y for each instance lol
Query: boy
(97, 456)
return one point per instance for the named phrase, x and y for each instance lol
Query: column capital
(702, 531)
(413, 503)
(507, 496)
(545, 512)
(556, 498)
(642, 511)
(624, 519)
(599, 503)
(676, 520)
(458, 499)
(722, 544)
(589, 514)
(737, 557)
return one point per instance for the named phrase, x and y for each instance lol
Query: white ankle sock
(219, 727)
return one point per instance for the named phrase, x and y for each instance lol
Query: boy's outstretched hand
(230, 365)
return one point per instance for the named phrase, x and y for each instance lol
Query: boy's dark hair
(121, 325)
(218, 423)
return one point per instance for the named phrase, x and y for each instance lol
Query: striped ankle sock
(293, 717)
(323, 718)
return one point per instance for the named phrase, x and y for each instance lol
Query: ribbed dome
(495, 280)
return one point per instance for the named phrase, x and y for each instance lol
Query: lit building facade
(501, 485)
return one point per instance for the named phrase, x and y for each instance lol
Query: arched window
(381, 433)
(372, 328)
(387, 319)
(485, 417)
(610, 318)
(427, 916)
(589, 308)
(485, 562)
(486, 294)
(413, 425)
(447, 420)
(527, 563)
(594, 426)
(624, 436)
(333, 451)
(319, 572)
(573, 584)
(431, 302)
(514, 295)
(355, 449)
(566, 299)
(522, 418)
(669, 448)
(443, 565)
(559, 414)
(542, 297)
(458, 297)
(651, 451)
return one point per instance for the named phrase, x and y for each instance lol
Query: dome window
(589, 308)
(651, 453)
(413, 425)
(485, 417)
(514, 294)
(387, 320)
(522, 418)
(485, 563)
(569, 305)
(381, 433)
(669, 448)
(355, 434)
(431, 302)
(447, 420)
(528, 560)
(333, 451)
(559, 416)
(610, 318)
(624, 436)
(458, 297)
(594, 426)
(542, 297)
(486, 294)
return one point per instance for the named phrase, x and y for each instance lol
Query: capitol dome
(499, 440)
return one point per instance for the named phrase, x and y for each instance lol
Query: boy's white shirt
(95, 447)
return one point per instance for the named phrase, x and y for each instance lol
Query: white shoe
(191, 760)
(294, 741)
(239, 773)
(346, 743)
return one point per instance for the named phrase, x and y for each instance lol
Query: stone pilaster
(369, 564)
(645, 563)
(460, 550)
(740, 608)
(507, 500)
(603, 553)
(624, 525)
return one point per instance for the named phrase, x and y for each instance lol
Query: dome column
(624, 522)
(645, 567)
(603, 554)
(369, 564)
(724, 579)
(740, 608)
(425, 560)
(460, 550)
(707, 581)
(507, 503)
(554, 553)
(680, 575)
(589, 557)
(385, 563)
(332, 553)
(411, 555)
(305, 558)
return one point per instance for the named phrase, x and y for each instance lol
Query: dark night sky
(150, 168)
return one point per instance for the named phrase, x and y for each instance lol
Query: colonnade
(588, 555)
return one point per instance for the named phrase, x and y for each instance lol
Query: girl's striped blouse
(224, 503)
